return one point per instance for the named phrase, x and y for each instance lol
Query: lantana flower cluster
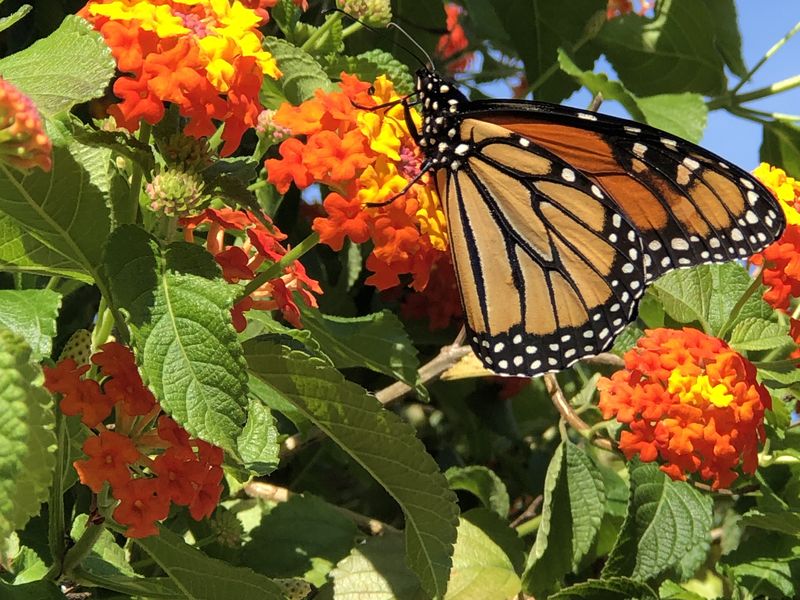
(689, 401)
(205, 56)
(259, 242)
(781, 259)
(148, 461)
(23, 141)
(364, 157)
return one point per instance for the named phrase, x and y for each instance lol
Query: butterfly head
(441, 103)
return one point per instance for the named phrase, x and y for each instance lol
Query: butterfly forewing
(549, 271)
(689, 206)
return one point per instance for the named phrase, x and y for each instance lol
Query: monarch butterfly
(560, 217)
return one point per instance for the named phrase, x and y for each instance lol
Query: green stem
(312, 42)
(275, 270)
(778, 45)
(770, 115)
(751, 289)
(351, 29)
(82, 547)
(53, 283)
(137, 176)
(56, 525)
(529, 527)
(104, 325)
(776, 88)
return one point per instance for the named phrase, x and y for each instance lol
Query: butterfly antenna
(377, 32)
(430, 64)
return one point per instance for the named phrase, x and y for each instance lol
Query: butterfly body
(559, 218)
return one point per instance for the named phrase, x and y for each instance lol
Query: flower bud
(176, 193)
(377, 13)
(23, 142)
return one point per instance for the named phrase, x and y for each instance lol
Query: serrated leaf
(302, 75)
(754, 333)
(685, 115)
(199, 576)
(728, 39)
(484, 484)
(258, 443)
(666, 521)
(58, 208)
(671, 53)
(378, 342)
(304, 537)
(612, 588)
(707, 294)
(481, 567)
(376, 566)
(780, 146)
(70, 66)
(180, 312)
(375, 438)
(543, 21)
(385, 63)
(27, 439)
(783, 373)
(574, 503)
(31, 314)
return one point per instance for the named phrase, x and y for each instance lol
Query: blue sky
(762, 23)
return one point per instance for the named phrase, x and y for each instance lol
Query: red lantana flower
(689, 401)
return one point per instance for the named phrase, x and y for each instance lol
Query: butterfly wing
(549, 268)
(689, 205)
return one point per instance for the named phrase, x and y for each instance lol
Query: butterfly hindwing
(548, 269)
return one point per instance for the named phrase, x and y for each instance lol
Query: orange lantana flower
(364, 157)
(452, 45)
(205, 56)
(689, 401)
(781, 259)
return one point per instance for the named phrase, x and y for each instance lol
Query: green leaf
(481, 567)
(152, 588)
(198, 576)
(106, 556)
(371, 64)
(766, 564)
(31, 314)
(780, 146)
(484, 18)
(36, 590)
(258, 443)
(754, 333)
(70, 66)
(574, 503)
(544, 21)
(782, 521)
(612, 588)
(188, 351)
(378, 342)
(670, 590)
(302, 74)
(782, 373)
(58, 209)
(304, 537)
(728, 38)
(376, 565)
(20, 252)
(375, 438)
(6, 22)
(482, 483)
(672, 53)
(685, 115)
(707, 295)
(666, 522)
(27, 440)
